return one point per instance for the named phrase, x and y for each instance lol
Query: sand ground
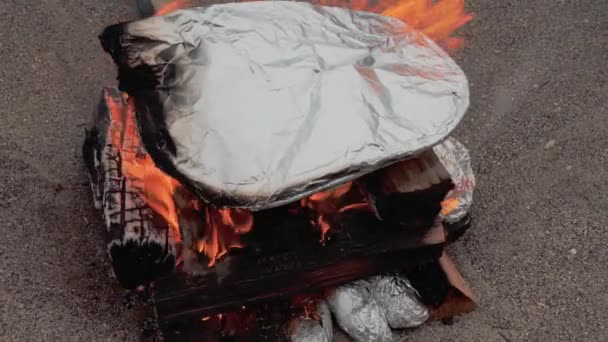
(535, 257)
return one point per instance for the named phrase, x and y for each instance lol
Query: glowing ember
(223, 228)
(449, 205)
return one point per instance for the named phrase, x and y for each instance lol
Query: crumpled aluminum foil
(457, 161)
(259, 104)
(400, 301)
(304, 329)
(358, 314)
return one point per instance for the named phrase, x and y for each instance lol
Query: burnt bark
(140, 244)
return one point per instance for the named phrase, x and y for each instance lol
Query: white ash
(307, 329)
(358, 314)
(400, 301)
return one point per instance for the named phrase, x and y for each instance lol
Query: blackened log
(409, 193)
(291, 263)
(431, 283)
(441, 288)
(457, 229)
(140, 244)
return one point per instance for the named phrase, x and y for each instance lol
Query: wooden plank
(141, 246)
(271, 269)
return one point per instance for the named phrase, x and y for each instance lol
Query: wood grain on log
(140, 244)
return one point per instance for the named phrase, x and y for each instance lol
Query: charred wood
(457, 229)
(140, 244)
(442, 288)
(459, 298)
(292, 261)
(409, 193)
(430, 281)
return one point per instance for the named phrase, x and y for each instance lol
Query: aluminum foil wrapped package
(457, 161)
(259, 104)
(400, 301)
(358, 314)
(305, 329)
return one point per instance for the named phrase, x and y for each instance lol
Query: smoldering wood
(283, 257)
(271, 318)
(140, 245)
(409, 193)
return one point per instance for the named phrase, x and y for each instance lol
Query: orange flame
(323, 204)
(438, 20)
(223, 228)
(171, 6)
(157, 188)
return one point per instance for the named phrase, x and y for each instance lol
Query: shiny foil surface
(357, 312)
(456, 159)
(306, 329)
(400, 301)
(259, 104)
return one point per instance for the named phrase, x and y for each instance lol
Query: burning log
(142, 233)
(285, 258)
(409, 193)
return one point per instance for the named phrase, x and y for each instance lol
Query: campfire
(253, 212)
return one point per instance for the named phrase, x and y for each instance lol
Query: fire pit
(259, 171)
